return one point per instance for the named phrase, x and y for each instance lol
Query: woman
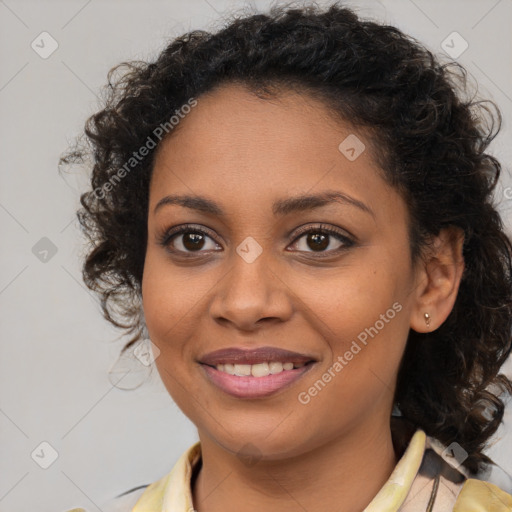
(297, 211)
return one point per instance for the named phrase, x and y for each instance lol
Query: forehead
(234, 144)
(233, 117)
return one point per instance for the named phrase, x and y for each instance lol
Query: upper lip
(253, 356)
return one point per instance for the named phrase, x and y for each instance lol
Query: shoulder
(171, 492)
(480, 496)
(122, 503)
(126, 501)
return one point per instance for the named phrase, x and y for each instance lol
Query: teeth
(243, 370)
(257, 370)
(260, 370)
(228, 368)
(275, 367)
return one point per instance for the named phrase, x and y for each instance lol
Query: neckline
(391, 495)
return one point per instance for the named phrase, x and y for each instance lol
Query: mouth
(255, 373)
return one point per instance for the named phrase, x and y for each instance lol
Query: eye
(319, 239)
(189, 238)
(185, 239)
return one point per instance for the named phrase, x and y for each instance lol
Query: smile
(257, 380)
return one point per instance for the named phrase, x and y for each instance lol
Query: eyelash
(165, 238)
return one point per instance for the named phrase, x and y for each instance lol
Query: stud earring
(427, 319)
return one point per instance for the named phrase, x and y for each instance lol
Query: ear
(438, 277)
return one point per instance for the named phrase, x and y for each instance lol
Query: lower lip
(254, 387)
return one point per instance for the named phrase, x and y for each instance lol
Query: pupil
(320, 241)
(194, 239)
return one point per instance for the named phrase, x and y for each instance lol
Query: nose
(251, 292)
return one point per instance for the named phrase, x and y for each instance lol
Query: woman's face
(255, 280)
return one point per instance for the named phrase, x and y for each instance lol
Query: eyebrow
(280, 207)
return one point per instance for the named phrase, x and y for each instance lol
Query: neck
(349, 470)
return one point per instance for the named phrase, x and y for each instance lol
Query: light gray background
(56, 348)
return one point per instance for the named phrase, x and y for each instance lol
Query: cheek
(172, 298)
(360, 376)
(165, 310)
(163, 307)
(362, 317)
(169, 297)
(156, 302)
(350, 302)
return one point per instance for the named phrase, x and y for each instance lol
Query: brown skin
(335, 452)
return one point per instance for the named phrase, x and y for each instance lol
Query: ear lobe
(439, 278)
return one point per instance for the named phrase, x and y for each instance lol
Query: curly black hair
(428, 137)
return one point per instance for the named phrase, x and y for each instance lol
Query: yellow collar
(172, 493)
